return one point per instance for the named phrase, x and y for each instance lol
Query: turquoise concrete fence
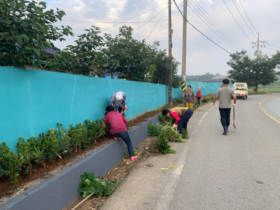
(33, 101)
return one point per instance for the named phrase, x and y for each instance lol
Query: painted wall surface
(33, 101)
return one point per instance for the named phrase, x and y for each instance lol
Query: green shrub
(91, 183)
(10, 163)
(178, 100)
(171, 134)
(166, 120)
(185, 134)
(163, 146)
(154, 130)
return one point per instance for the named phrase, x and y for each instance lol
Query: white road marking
(169, 190)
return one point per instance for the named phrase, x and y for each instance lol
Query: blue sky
(202, 55)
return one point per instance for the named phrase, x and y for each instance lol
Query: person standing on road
(225, 94)
(198, 95)
(189, 97)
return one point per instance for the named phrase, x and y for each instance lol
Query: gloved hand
(174, 126)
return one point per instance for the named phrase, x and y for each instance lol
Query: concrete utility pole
(257, 44)
(170, 54)
(184, 46)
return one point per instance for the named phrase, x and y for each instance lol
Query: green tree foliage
(83, 58)
(201, 77)
(254, 72)
(127, 55)
(26, 30)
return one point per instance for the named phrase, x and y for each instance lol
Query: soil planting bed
(145, 149)
(50, 168)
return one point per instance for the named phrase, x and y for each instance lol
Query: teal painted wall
(33, 101)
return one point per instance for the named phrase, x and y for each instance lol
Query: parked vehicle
(241, 90)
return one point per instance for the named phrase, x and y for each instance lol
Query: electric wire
(243, 17)
(160, 26)
(199, 30)
(156, 24)
(236, 21)
(210, 25)
(248, 16)
(150, 20)
(216, 24)
(85, 21)
(134, 16)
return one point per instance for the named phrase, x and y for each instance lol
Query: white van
(241, 90)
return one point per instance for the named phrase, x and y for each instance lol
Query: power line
(243, 17)
(248, 16)
(209, 24)
(217, 25)
(156, 23)
(236, 21)
(150, 20)
(211, 27)
(199, 30)
(135, 16)
(160, 27)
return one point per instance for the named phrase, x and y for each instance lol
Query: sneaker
(115, 138)
(133, 158)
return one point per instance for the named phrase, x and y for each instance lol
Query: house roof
(52, 51)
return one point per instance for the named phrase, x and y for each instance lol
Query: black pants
(225, 116)
(125, 137)
(198, 98)
(183, 122)
(120, 110)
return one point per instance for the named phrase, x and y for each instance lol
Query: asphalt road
(234, 172)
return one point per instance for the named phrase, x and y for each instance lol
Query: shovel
(234, 116)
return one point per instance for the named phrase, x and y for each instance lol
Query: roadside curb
(60, 190)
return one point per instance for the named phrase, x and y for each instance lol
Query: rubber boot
(225, 130)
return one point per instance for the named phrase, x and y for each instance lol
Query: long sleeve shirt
(198, 93)
(116, 121)
(176, 117)
(189, 97)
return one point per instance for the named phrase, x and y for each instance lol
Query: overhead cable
(216, 24)
(210, 25)
(243, 18)
(156, 24)
(236, 21)
(199, 30)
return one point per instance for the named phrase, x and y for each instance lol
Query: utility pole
(258, 45)
(184, 46)
(170, 54)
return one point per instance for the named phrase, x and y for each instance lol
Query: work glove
(174, 126)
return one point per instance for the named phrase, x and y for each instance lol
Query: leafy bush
(178, 100)
(91, 183)
(163, 146)
(171, 134)
(11, 163)
(185, 134)
(166, 120)
(154, 130)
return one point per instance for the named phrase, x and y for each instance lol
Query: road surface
(238, 171)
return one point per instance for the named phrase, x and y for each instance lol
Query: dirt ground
(145, 149)
(45, 171)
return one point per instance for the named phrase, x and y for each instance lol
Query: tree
(126, 55)
(26, 30)
(84, 58)
(254, 72)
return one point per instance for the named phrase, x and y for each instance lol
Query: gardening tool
(234, 116)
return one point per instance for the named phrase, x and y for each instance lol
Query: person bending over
(118, 101)
(117, 123)
(181, 115)
(225, 94)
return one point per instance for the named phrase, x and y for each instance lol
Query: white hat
(119, 96)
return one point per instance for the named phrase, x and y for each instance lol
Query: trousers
(225, 116)
(183, 122)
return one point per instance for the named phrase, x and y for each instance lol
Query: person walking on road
(198, 95)
(189, 97)
(225, 94)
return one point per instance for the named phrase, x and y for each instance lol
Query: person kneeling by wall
(117, 123)
(181, 115)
